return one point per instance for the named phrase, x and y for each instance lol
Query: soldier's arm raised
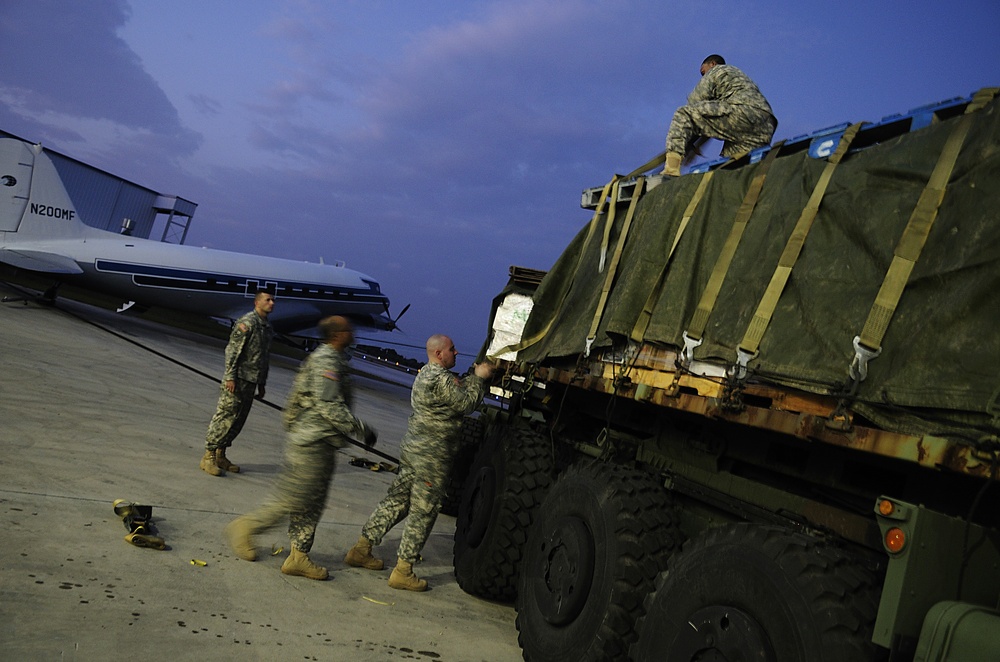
(462, 395)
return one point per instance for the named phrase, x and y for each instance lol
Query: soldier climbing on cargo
(319, 420)
(725, 105)
(247, 362)
(440, 401)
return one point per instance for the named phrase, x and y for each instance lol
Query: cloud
(205, 104)
(448, 99)
(461, 130)
(64, 64)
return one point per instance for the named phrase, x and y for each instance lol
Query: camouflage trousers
(743, 128)
(300, 493)
(415, 494)
(230, 415)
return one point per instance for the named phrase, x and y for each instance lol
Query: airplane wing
(40, 261)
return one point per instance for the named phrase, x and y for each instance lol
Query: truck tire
(601, 537)
(766, 593)
(472, 432)
(506, 482)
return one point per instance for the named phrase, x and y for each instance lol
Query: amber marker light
(895, 539)
(886, 507)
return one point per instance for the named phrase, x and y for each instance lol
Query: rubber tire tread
(641, 519)
(523, 458)
(835, 596)
(470, 436)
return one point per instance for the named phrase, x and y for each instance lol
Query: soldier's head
(441, 351)
(263, 303)
(710, 62)
(337, 331)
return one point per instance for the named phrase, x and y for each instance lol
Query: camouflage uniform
(440, 401)
(246, 364)
(318, 418)
(725, 105)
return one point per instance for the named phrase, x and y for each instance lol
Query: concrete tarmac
(96, 407)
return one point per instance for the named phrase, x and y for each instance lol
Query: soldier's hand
(484, 369)
(369, 435)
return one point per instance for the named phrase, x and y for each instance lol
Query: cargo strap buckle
(862, 355)
(738, 370)
(687, 354)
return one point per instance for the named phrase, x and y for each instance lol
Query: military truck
(752, 412)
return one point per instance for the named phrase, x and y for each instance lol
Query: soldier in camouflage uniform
(725, 105)
(247, 363)
(440, 401)
(319, 419)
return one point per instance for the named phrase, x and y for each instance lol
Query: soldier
(725, 105)
(247, 363)
(318, 418)
(440, 401)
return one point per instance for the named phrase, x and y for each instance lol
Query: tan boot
(402, 577)
(238, 533)
(142, 539)
(360, 556)
(223, 462)
(299, 564)
(209, 466)
(672, 166)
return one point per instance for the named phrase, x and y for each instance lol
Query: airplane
(41, 231)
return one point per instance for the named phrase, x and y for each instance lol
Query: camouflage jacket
(249, 349)
(319, 406)
(440, 401)
(728, 84)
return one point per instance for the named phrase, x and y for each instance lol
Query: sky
(432, 144)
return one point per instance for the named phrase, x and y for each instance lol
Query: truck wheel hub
(722, 634)
(568, 571)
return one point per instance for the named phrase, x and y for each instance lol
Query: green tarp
(940, 358)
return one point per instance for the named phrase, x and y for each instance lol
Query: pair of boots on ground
(215, 463)
(136, 519)
(298, 563)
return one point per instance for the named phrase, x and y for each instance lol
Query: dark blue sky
(433, 144)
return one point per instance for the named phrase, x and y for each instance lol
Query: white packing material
(508, 324)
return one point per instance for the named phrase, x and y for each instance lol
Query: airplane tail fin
(34, 202)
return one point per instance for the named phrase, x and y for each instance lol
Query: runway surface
(96, 407)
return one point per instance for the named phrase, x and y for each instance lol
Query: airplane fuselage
(40, 230)
(211, 282)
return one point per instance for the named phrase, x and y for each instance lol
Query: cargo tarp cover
(941, 351)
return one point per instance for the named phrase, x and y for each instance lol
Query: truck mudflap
(959, 632)
(744, 591)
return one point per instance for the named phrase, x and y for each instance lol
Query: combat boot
(672, 165)
(360, 556)
(141, 539)
(299, 564)
(223, 462)
(402, 577)
(238, 533)
(209, 466)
